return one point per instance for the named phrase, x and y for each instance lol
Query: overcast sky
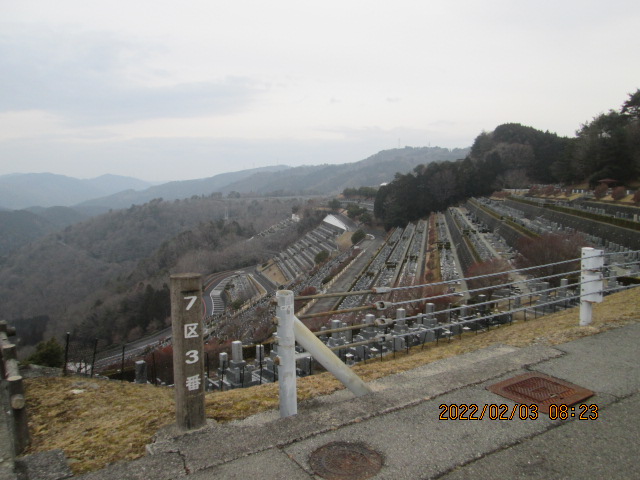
(169, 90)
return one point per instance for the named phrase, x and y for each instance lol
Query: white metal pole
(590, 282)
(286, 354)
(586, 313)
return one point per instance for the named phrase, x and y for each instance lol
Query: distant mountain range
(35, 204)
(178, 189)
(282, 180)
(333, 179)
(19, 191)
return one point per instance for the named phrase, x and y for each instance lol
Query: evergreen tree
(48, 353)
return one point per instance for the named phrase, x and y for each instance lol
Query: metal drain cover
(345, 461)
(540, 389)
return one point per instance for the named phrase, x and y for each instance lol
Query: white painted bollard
(591, 283)
(286, 354)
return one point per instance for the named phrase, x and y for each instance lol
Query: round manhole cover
(345, 461)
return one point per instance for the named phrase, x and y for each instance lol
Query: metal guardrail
(540, 299)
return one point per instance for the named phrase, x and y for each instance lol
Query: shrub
(357, 236)
(49, 354)
(619, 193)
(600, 191)
(321, 257)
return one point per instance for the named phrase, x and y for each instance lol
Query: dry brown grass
(94, 421)
(344, 241)
(97, 422)
(273, 273)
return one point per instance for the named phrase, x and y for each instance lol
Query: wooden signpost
(188, 348)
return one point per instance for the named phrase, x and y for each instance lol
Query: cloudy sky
(168, 90)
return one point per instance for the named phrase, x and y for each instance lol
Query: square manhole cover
(540, 389)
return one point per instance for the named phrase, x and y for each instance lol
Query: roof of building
(336, 222)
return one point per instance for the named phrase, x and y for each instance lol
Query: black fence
(151, 362)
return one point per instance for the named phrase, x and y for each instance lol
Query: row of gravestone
(299, 258)
(379, 337)
(471, 232)
(612, 233)
(406, 255)
(618, 211)
(374, 270)
(463, 250)
(448, 266)
(510, 234)
(541, 220)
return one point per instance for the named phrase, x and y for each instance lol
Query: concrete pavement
(7, 465)
(400, 421)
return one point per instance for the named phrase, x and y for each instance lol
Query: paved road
(113, 356)
(343, 283)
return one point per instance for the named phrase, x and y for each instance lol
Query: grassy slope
(98, 422)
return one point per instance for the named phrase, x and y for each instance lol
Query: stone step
(51, 465)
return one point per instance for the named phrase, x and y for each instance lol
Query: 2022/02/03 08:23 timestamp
(579, 412)
(495, 411)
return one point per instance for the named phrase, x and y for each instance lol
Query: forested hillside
(19, 191)
(109, 261)
(607, 147)
(19, 227)
(516, 156)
